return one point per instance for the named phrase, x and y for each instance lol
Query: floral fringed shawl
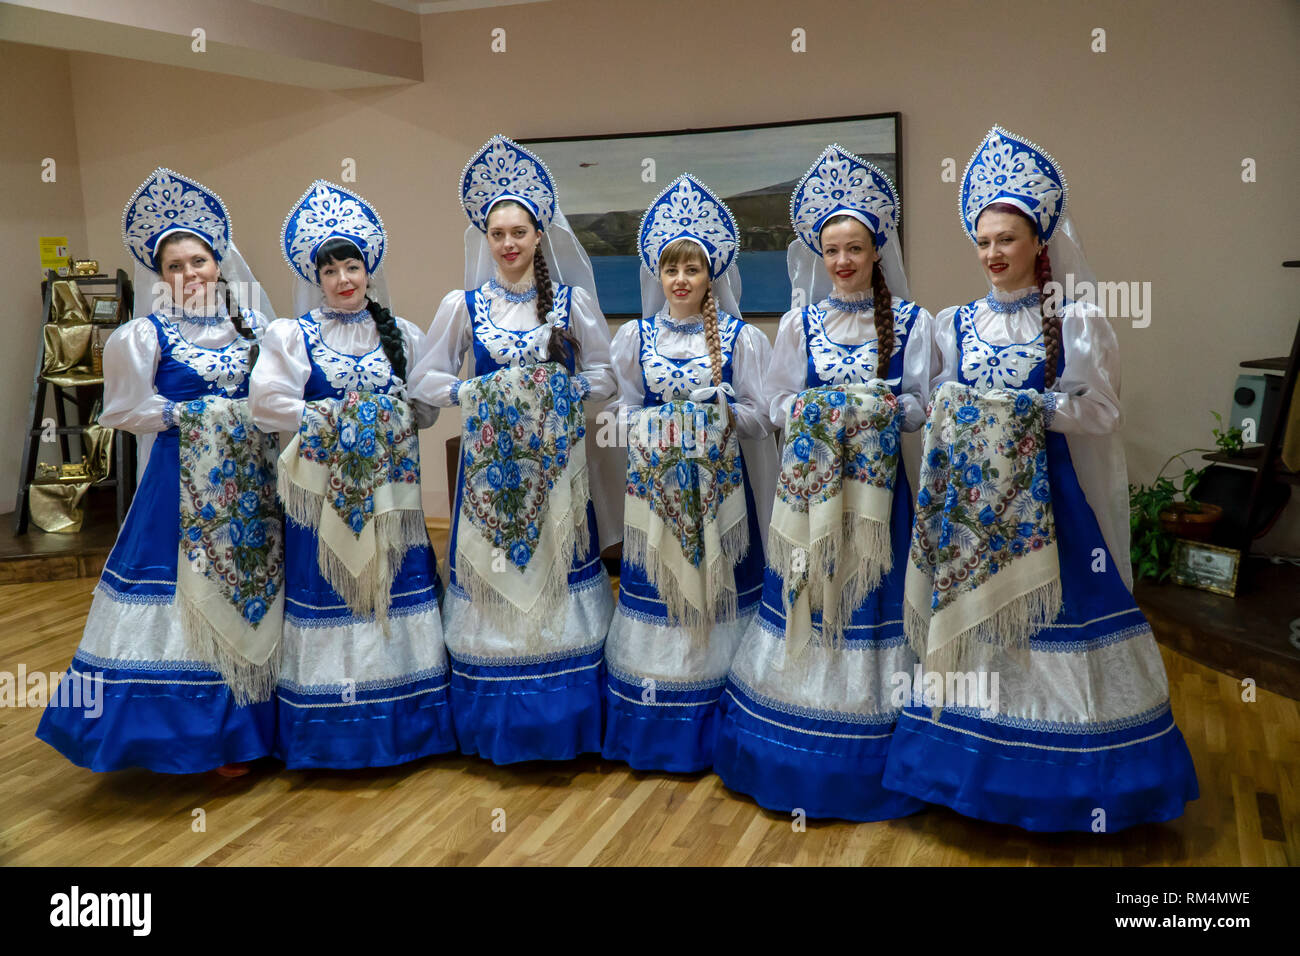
(230, 565)
(685, 511)
(829, 538)
(352, 475)
(983, 564)
(524, 499)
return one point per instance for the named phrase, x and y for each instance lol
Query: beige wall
(35, 93)
(328, 44)
(1151, 133)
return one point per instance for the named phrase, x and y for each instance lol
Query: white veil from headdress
(1100, 462)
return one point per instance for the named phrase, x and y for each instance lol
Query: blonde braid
(710, 311)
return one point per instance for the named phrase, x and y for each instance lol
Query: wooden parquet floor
(464, 811)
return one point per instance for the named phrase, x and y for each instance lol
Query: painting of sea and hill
(606, 182)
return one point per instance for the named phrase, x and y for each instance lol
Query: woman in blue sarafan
(529, 298)
(812, 731)
(144, 699)
(1081, 735)
(351, 692)
(664, 680)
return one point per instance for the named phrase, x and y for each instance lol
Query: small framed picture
(1206, 566)
(103, 308)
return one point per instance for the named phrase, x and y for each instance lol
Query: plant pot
(1182, 522)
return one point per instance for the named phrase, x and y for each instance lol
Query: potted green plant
(1163, 511)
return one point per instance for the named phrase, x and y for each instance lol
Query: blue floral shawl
(523, 507)
(352, 475)
(829, 539)
(685, 518)
(230, 566)
(983, 564)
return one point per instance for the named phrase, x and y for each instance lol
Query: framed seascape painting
(606, 182)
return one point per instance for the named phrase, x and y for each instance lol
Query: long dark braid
(390, 337)
(545, 302)
(237, 320)
(1051, 320)
(884, 303)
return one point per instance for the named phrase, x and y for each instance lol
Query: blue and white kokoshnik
(687, 209)
(1008, 168)
(168, 202)
(842, 184)
(502, 169)
(326, 211)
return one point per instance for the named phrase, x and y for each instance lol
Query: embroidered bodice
(837, 363)
(496, 347)
(1013, 364)
(187, 371)
(335, 373)
(668, 379)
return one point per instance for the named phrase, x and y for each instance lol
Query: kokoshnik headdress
(327, 211)
(1011, 169)
(688, 209)
(500, 170)
(840, 183)
(168, 203)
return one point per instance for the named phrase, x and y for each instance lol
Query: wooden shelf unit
(81, 397)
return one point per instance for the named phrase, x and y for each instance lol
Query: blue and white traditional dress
(513, 701)
(144, 700)
(665, 682)
(811, 731)
(1081, 736)
(349, 694)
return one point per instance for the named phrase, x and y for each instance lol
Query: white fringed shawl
(685, 517)
(983, 564)
(524, 502)
(829, 539)
(352, 475)
(230, 563)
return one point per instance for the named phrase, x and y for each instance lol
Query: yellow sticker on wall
(54, 254)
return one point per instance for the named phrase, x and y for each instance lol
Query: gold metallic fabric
(67, 304)
(66, 346)
(57, 507)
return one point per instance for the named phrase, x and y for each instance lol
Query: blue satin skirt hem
(674, 732)
(376, 733)
(166, 728)
(657, 737)
(517, 712)
(1149, 781)
(783, 769)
